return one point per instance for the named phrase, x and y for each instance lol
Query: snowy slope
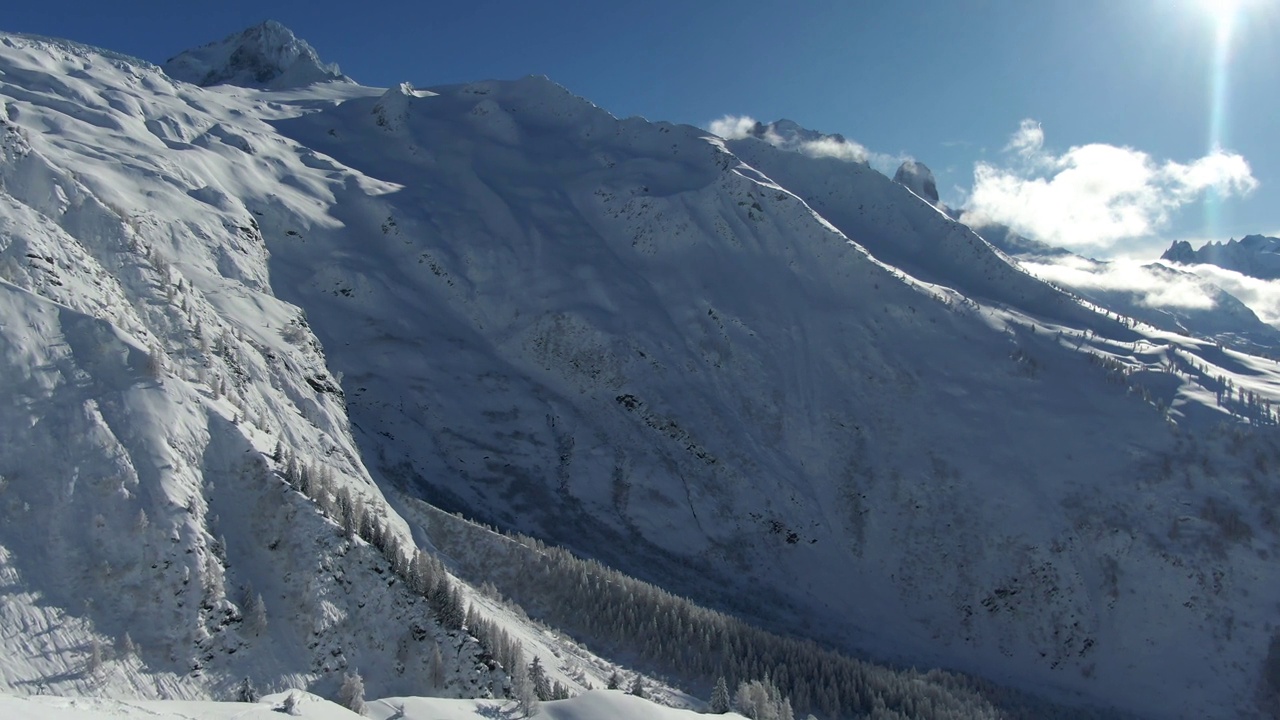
(615, 335)
(667, 351)
(598, 704)
(81, 708)
(901, 230)
(150, 373)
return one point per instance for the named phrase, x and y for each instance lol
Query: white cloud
(1028, 140)
(1152, 288)
(1093, 196)
(737, 127)
(846, 150)
(733, 127)
(1262, 296)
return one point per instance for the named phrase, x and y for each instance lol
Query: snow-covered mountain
(1254, 255)
(264, 56)
(773, 380)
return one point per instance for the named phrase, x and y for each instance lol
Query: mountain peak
(267, 55)
(1180, 252)
(918, 178)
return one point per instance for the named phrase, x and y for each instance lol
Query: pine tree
(93, 664)
(126, 647)
(637, 687)
(614, 682)
(522, 690)
(538, 676)
(436, 669)
(351, 694)
(246, 692)
(255, 614)
(720, 697)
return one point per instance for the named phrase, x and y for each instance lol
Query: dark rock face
(918, 178)
(264, 56)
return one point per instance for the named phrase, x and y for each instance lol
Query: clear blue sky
(945, 82)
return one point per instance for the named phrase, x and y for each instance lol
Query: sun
(1224, 12)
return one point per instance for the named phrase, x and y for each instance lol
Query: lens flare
(1226, 14)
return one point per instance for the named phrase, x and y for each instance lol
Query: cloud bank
(1093, 196)
(1152, 287)
(1193, 287)
(1262, 296)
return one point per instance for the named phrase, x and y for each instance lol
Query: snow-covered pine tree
(720, 697)
(246, 692)
(126, 647)
(637, 687)
(614, 682)
(522, 690)
(538, 676)
(761, 700)
(351, 694)
(255, 613)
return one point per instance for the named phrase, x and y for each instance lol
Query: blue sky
(948, 83)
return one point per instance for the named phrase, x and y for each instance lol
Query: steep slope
(177, 457)
(619, 336)
(150, 375)
(901, 230)
(615, 335)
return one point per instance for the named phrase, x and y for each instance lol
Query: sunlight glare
(1224, 12)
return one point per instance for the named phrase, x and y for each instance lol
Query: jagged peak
(267, 55)
(1180, 251)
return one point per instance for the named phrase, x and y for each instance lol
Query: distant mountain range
(1253, 255)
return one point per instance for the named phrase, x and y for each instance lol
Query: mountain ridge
(1253, 255)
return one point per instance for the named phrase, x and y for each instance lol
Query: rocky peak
(918, 178)
(265, 56)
